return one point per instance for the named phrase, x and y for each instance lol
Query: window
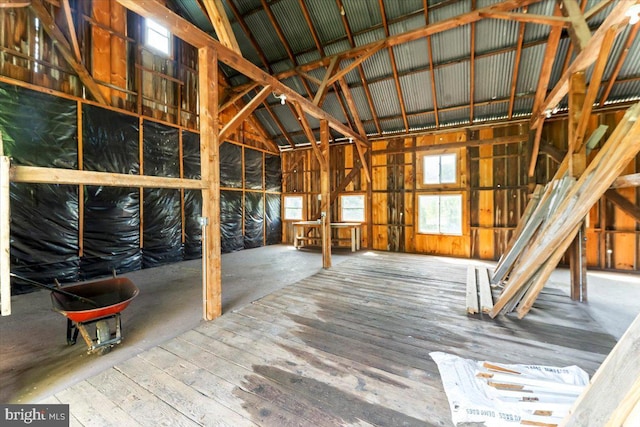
(158, 37)
(440, 214)
(293, 207)
(439, 169)
(352, 208)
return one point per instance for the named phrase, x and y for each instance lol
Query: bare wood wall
(493, 163)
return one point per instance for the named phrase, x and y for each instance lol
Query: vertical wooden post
(80, 187)
(577, 163)
(5, 265)
(210, 171)
(325, 194)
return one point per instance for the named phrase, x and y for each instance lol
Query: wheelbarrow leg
(72, 332)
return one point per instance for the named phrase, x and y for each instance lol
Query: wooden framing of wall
(493, 162)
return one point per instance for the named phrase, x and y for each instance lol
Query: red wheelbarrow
(96, 303)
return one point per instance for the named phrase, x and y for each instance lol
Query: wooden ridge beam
(221, 24)
(240, 117)
(582, 61)
(186, 31)
(49, 25)
(529, 18)
(42, 175)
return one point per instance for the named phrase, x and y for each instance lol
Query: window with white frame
(292, 207)
(352, 208)
(158, 37)
(440, 214)
(440, 169)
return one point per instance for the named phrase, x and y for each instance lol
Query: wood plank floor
(347, 346)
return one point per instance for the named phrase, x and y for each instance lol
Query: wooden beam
(244, 113)
(250, 36)
(625, 181)
(553, 152)
(452, 145)
(41, 175)
(236, 97)
(623, 204)
(614, 388)
(578, 30)
(578, 265)
(472, 67)
(325, 194)
(324, 85)
(516, 68)
(576, 156)
(186, 31)
(210, 173)
(621, 58)
(582, 61)
(342, 185)
(535, 149)
(355, 63)
(72, 29)
(221, 24)
(309, 133)
(5, 235)
(49, 25)
(529, 18)
(596, 9)
(8, 4)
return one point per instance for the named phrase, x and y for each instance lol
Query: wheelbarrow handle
(53, 289)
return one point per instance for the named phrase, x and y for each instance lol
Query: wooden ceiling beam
(578, 30)
(434, 96)
(242, 115)
(620, 61)
(249, 34)
(359, 125)
(72, 29)
(472, 63)
(324, 84)
(583, 60)
(236, 97)
(309, 133)
(222, 26)
(357, 61)
(516, 68)
(8, 4)
(596, 9)
(624, 204)
(186, 31)
(529, 18)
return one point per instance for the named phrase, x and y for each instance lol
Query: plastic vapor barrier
(230, 165)
(273, 222)
(273, 173)
(231, 221)
(253, 220)
(192, 198)
(253, 169)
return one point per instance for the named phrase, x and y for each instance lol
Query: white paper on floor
(507, 394)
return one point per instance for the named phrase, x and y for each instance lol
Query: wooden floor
(348, 346)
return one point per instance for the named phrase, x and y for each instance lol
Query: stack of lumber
(479, 296)
(553, 217)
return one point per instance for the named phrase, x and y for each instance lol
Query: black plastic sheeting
(192, 198)
(44, 233)
(253, 169)
(111, 215)
(111, 231)
(230, 165)
(253, 220)
(231, 221)
(272, 173)
(162, 237)
(40, 130)
(273, 222)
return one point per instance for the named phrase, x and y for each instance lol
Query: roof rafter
(516, 67)
(529, 18)
(616, 70)
(241, 115)
(431, 70)
(222, 26)
(472, 73)
(578, 30)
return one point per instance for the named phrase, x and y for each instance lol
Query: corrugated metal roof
(267, 123)
(493, 75)
(627, 91)
(332, 106)
(411, 56)
(558, 63)
(362, 14)
(377, 65)
(537, 31)
(416, 91)
(360, 99)
(266, 36)
(452, 84)
(306, 57)
(245, 45)
(353, 76)
(326, 19)
(368, 37)
(452, 44)
(395, 9)
(385, 98)
(392, 125)
(631, 66)
(449, 11)
(288, 120)
(295, 83)
(529, 71)
(337, 47)
(411, 23)
(245, 6)
(493, 111)
(422, 121)
(616, 51)
(522, 106)
(492, 34)
(291, 20)
(370, 128)
(454, 117)
(283, 65)
(597, 19)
